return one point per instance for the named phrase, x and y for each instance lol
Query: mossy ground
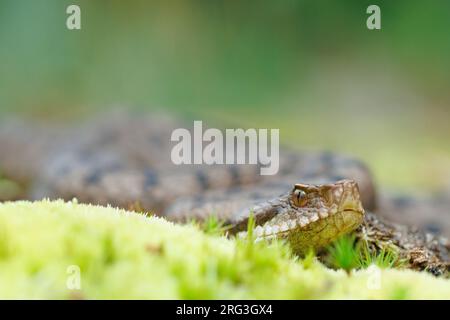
(127, 255)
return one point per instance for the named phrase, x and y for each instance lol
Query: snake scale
(124, 160)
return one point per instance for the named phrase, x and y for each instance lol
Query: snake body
(124, 160)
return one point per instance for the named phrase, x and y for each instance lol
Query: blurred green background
(310, 68)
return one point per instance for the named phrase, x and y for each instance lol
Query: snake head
(311, 216)
(327, 199)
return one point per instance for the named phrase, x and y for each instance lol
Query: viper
(124, 160)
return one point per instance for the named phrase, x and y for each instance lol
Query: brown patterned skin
(124, 161)
(418, 249)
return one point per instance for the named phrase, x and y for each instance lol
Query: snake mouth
(356, 213)
(352, 204)
(353, 210)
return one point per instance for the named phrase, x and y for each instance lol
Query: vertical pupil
(300, 196)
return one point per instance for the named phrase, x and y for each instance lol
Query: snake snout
(350, 199)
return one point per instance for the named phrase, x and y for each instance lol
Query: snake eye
(299, 197)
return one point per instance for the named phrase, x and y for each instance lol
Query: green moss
(348, 253)
(386, 258)
(343, 254)
(126, 255)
